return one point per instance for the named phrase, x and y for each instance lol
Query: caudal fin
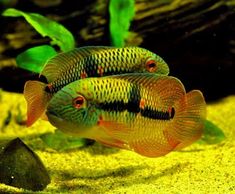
(37, 99)
(189, 119)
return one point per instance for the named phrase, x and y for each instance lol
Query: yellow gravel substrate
(199, 169)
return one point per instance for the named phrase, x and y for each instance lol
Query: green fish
(143, 112)
(91, 61)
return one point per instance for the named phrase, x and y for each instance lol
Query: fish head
(70, 109)
(153, 63)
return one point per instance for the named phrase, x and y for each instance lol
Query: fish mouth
(53, 118)
(51, 112)
(61, 124)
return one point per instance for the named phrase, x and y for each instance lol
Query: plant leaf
(121, 14)
(61, 142)
(46, 27)
(35, 58)
(212, 134)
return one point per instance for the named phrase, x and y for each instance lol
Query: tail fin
(37, 99)
(189, 119)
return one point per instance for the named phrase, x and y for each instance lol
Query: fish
(83, 62)
(149, 114)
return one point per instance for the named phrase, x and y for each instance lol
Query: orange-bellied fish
(147, 113)
(91, 61)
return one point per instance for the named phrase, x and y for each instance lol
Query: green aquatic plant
(34, 58)
(59, 34)
(212, 134)
(121, 15)
(61, 142)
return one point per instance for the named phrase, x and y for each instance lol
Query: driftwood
(195, 37)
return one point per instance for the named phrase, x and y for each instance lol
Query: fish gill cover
(219, 134)
(121, 14)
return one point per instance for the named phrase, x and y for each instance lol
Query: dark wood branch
(195, 37)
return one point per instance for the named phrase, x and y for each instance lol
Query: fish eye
(78, 102)
(151, 66)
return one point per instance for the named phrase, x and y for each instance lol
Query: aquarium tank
(117, 96)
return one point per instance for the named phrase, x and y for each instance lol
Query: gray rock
(21, 167)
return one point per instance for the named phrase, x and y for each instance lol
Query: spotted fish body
(101, 61)
(92, 61)
(149, 114)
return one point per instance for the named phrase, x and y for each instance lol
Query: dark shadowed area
(196, 38)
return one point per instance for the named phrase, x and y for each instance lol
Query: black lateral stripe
(90, 67)
(172, 114)
(114, 71)
(47, 89)
(158, 115)
(134, 99)
(117, 106)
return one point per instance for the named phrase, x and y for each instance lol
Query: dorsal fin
(57, 65)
